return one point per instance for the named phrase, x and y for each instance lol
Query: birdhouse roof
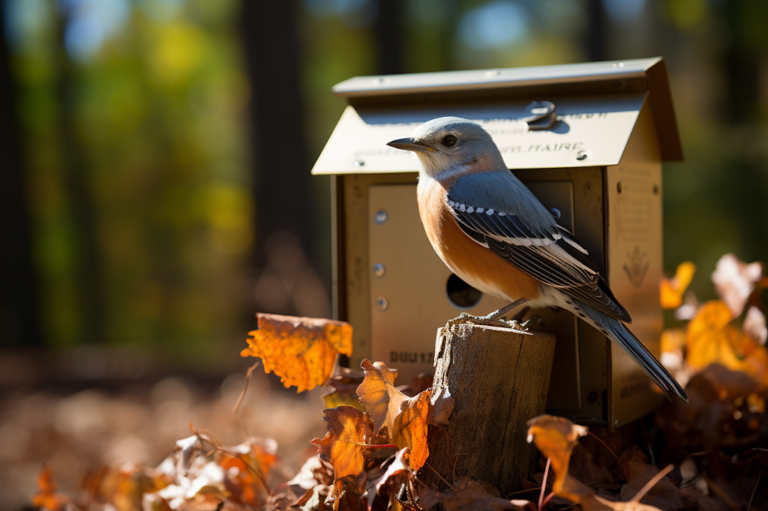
(596, 106)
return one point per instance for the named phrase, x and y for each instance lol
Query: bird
(493, 233)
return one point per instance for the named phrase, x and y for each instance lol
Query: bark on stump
(498, 379)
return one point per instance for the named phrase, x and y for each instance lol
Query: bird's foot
(489, 320)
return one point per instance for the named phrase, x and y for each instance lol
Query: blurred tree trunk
(80, 199)
(19, 311)
(278, 143)
(389, 37)
(595, 37)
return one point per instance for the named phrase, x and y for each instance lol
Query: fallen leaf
(467, 495)
(555, 437)
(734, 281)
(410, 429)
(46, 496)
(378, 394)
(344, 444)
(185, 451)
(341, 388)
(664, 494)
(247, 470)
(672, 289)
(302, 351)
(711, 339)
(386, 481)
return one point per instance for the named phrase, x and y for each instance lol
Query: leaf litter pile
(711, 454)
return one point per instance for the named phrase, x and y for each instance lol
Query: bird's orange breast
(472, 262)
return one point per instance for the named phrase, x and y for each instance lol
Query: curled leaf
(672, 289)
(344, 444)
(302, 351)
(378, 394)
(555, 437)
(410, 428)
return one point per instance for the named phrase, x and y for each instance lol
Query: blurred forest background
(156, 153)
(155, 189)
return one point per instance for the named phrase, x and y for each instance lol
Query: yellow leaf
(711, 339)
(302, 351)
(378, 394)
(410, 428)
(672, 289)
(555, 437)
(344, 443)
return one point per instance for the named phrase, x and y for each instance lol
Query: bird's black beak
(409, 144)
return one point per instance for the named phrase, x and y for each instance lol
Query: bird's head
(450, 145)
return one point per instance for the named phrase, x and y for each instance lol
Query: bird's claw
(485, 320)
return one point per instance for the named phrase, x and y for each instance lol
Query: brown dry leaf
(710, 339)
(672, 289)
(46, 497)
(391, 481)
(378, 394)
(344, 444)
(248, 469)
(302, 351)
(341, 388)
(467, 495)
(555, 437)
(347, 494)
(664, 494)
(410, 428)
(578, 492)
(735, 280)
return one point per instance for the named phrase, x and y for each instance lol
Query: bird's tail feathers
(617, 332)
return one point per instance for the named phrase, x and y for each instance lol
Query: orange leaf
(344, 444)
(302, 351)
(672, 339)
(672, 289)
(710, 339)
(378, 394)
(46, 497)
(410, 428)
(555, 437)
(467, 495)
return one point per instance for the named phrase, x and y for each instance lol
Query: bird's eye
(449, 140)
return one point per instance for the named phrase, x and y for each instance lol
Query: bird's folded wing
(547, 252)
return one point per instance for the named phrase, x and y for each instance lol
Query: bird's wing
(504, 216)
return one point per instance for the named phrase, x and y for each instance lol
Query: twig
(609, 449)
(216, 443)
(754, 490)
(544, 484)
(650, 484)
(441, 477)
(247, 380)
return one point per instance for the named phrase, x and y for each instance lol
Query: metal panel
(493, 78)
(409, 301)
(590, 131)
(633, 190)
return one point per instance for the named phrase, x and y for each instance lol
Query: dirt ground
(82, 429)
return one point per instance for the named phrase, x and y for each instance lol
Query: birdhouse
(587, 139)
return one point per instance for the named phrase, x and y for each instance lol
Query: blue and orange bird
(491, 231)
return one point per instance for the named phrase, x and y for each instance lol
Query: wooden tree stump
(497, 379)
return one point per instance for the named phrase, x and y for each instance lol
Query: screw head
(382, 303)
(359, 163)
(380, 217)
(379, 270)
(581, 155)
